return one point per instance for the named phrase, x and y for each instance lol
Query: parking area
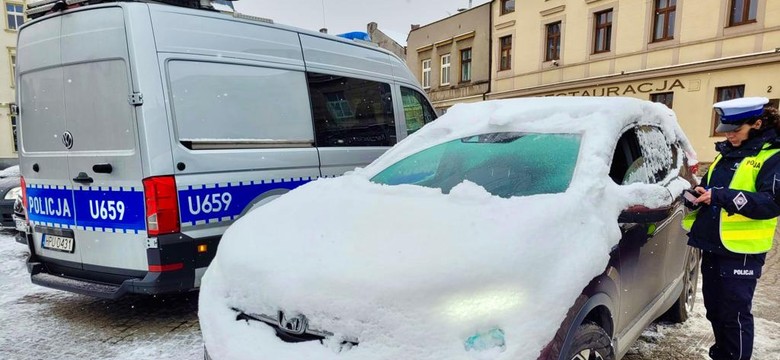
(40, 323)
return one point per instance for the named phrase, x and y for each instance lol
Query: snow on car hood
(417, 278)
(411, 272)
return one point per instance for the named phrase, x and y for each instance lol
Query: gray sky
(341, 16)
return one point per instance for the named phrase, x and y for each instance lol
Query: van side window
(224, 103)
(351, 112)
(417, 111)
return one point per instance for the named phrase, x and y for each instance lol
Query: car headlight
(481, 341)
(13, 193)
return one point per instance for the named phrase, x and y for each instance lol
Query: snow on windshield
(412, 273)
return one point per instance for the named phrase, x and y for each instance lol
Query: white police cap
(735, 112)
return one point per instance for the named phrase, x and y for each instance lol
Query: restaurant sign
(626, 90)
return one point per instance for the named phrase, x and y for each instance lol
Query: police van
(147, 129)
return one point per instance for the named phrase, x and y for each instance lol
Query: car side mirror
(643, 215)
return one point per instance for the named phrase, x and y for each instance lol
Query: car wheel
(591, 342)
(683, 307)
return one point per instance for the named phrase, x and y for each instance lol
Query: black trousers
(728, 284)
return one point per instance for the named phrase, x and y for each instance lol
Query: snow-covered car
(515, 229)
(20, 220)
(10, 188)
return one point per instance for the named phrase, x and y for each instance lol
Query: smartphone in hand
(690, 195)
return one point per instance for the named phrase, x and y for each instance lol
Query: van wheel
(683, 307)
(591, 342)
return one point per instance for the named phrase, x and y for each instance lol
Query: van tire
(591, 342)
(683, 307)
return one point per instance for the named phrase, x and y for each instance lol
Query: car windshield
(505, 164)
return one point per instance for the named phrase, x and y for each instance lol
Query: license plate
(21, 225)
(58, 243)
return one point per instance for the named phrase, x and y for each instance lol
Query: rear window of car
(505, 164)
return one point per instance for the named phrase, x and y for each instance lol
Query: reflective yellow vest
(738, 233)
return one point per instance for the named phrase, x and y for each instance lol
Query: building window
(507, 6)
(743, 12)
(14, 14)
(465, 65)
(666, 98)
(426, 74)
(13, 129)
(663, 27)
(553, 42)
(506, 53)
(445, 69)
(603, 31)
(723, 94)
(12, 58)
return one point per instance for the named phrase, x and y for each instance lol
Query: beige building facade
(688, 54)
(451, 57)
(14, 18)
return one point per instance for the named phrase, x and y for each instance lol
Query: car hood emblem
(67, 139)
(295, 325)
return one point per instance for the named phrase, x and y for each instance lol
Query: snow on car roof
(602, 118)
(412, 272)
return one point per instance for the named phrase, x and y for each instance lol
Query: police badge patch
(740, 200)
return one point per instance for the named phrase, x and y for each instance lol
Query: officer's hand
(705, 197)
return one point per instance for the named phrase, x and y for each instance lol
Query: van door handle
(83, 178)
(102, 168)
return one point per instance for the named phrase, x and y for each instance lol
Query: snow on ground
(36, 322)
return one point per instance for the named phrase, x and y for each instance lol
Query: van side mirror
(643, 215)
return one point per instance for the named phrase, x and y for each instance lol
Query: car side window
(628, 163)
(417, 111)
(351, 112)
(657, 152)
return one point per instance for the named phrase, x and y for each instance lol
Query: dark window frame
(507, 6)
(666, 98)
(553, 43)
(723, 93)
(744, 17)
(505, 53)
(465, 63)
(669, 12)
(14, 127)
(602, 21)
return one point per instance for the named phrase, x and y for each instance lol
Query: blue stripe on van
(219, 202)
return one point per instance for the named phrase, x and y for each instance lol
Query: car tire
(683, 307)
(591, 342)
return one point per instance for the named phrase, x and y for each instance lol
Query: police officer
(734, 220)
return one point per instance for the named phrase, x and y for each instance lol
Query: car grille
(309, 334)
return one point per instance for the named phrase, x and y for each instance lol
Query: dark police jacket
(762, 204)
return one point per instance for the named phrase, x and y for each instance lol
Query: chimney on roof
(324, 30)
(415, 26)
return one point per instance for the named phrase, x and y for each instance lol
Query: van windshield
(506, 164)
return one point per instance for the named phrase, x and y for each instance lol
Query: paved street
(39, 323)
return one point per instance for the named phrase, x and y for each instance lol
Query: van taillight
(24, 196)
(694, 168)
(162, 207)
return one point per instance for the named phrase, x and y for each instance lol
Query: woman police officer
(734, 221)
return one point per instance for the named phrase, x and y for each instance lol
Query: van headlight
(13, 193)
(482, 341)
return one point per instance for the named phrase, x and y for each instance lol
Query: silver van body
(147, 129)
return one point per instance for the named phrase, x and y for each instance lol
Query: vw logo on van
(67, 139)
(294, 325)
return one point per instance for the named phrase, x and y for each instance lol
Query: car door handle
(83, 178)
(102, 168)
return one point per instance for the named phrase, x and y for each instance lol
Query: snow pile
(413, 273)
